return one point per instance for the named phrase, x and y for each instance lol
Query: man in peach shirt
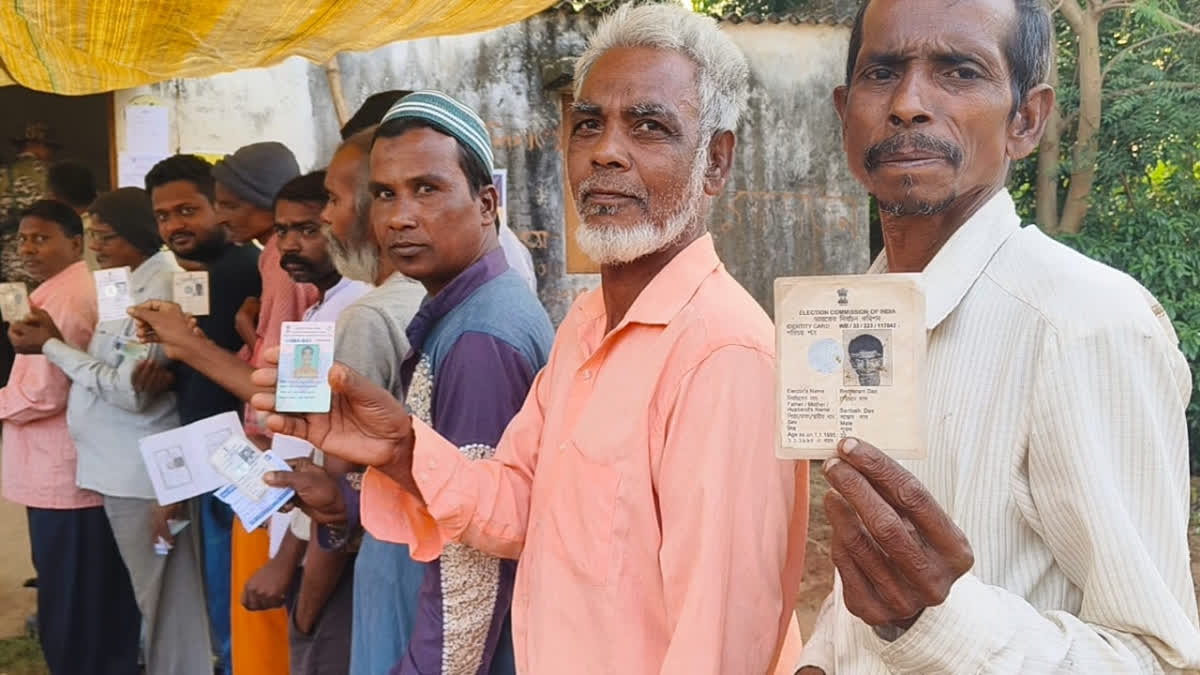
(638, 486)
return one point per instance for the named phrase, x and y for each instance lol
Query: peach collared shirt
(638, 485)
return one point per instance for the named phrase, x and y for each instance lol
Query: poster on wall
(500, 179)
(147, 140)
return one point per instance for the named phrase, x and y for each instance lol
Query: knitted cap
(448, 115)
(129, 213)
(256, 172)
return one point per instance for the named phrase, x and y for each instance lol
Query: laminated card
(191, 292)
(14, 301)
(851, 362)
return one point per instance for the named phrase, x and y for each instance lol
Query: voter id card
(243, 465)
(305, 356)
(191, 292)
(113, 294)
(14, 301)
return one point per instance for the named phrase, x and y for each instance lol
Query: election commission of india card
(850, 356)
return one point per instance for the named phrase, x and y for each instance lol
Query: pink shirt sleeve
(484, 503)
(727, 508)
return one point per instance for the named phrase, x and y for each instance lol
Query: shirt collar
(669, 291)
(963, 258)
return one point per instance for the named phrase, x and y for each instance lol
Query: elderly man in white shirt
(1047, 530)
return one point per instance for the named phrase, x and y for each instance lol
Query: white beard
(358, 261)
(609, 245)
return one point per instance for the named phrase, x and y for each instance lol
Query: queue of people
(491, 495)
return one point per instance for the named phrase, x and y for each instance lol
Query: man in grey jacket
(115, 400)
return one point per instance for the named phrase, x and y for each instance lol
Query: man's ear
(489, 205)
(720, 162)
(1028, 123)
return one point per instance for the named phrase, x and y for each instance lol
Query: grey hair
(723, 78)
(358, 258)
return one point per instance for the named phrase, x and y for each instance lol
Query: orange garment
(260, 639)
(638, 485)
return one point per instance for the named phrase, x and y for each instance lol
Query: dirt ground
(16, 603)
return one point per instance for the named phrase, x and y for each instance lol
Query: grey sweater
(105, 415)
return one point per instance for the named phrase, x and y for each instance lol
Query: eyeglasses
(101, 238)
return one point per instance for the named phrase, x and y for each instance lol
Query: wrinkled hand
(151, 377)
(31, 333)
(364, 425)
(158, 521)
(895, 548)
(268, 588)
(246, 320)
(317, 492)
(165, 323)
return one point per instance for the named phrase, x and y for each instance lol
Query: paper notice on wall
(146, 130)
(132, 169)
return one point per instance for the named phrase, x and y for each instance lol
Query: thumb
(358, 389)
(280, 478)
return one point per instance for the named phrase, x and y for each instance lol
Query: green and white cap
(448, 115)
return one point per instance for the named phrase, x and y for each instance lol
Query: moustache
(878, 153)
(293, 259)
(599, 182)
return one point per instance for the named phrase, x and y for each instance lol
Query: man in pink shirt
(656, 530)
(88, 620)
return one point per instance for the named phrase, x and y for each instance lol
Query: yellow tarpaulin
(89, 46)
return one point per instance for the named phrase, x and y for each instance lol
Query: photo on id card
(305, 356)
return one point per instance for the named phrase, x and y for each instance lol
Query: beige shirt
(1057, 442)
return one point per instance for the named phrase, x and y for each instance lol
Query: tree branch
(1140, 43)
(1183, 25)
(1073, 13)
(1116, 4)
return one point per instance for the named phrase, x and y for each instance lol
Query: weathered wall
(792, 207)
(217, 115)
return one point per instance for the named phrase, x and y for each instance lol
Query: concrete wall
(792, 207)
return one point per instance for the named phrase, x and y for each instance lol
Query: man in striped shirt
(1046, 532)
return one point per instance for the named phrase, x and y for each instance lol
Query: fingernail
(828, 465)
(848, 445)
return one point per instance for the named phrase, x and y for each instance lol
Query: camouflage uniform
(21, 184)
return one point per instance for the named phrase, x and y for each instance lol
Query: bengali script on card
(851, 362)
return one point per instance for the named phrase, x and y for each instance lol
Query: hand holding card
(305, 357)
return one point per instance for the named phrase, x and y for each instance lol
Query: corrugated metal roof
(828, 12)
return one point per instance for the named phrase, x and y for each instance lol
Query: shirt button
(433, 464)
(587, 374)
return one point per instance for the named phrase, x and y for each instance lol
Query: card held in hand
(191, 292)
(851, 362)
(113, 294)
(305, 356)
(14, 301)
